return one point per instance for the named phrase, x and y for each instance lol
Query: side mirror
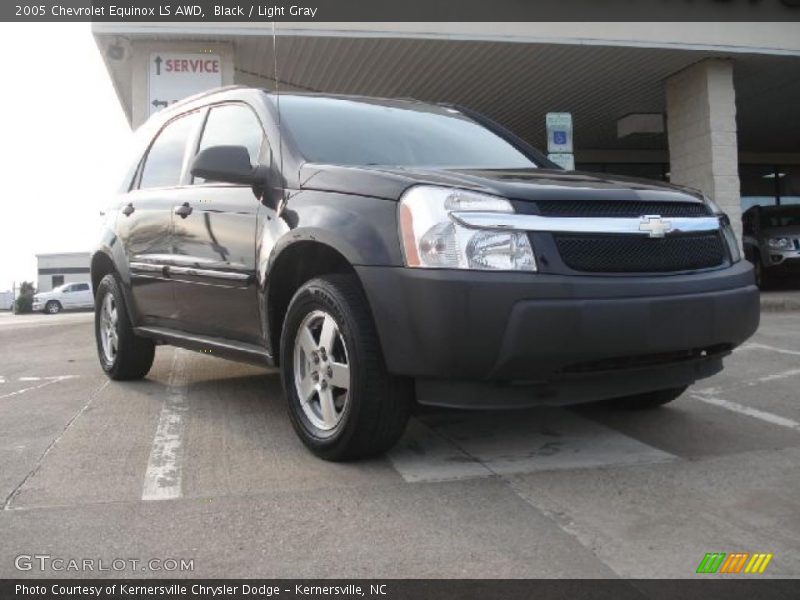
(230, 164)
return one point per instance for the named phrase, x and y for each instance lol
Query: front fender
(363, 230)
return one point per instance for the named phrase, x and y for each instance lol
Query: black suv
(379, 251)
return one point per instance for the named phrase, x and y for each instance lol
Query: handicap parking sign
(559, 132)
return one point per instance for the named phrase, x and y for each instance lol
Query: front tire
(123, 355)
(53, 307)
(342, 402)
(648, 400)
(762, 278)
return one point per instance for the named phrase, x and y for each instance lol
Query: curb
(781, 304)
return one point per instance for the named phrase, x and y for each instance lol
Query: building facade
(65, 267)
(714, 106)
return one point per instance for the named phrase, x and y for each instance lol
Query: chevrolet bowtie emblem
(655, 226)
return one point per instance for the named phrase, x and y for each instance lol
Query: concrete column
(701, 128)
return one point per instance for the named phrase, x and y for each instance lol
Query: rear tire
(351, 407)
(53, 307)
(123, 355)
(648, 400)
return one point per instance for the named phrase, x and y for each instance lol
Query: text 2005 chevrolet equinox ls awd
(379, 251)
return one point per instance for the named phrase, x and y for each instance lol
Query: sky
(63, 136)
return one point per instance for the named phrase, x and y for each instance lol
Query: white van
(69, 295)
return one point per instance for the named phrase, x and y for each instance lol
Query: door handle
(184, 210)
(128, 210)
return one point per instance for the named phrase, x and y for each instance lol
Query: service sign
(559, 132)
(174, 76)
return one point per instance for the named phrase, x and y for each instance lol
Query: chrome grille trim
(519, 222)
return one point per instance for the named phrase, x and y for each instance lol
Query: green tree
(24, 302)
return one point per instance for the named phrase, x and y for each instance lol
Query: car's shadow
(783, 284)
(241, 412)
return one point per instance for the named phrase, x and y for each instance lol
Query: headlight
(432, 239)
(780, 243)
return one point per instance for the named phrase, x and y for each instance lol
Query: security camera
(115, 52)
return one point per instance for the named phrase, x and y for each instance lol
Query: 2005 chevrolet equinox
(385, 251)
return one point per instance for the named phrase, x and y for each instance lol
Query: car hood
(525, 184)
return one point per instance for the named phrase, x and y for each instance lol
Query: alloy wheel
(109, 328)
(321, 370)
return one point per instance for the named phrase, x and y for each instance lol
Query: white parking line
(10, 498)
(162, 480)
(47, 381)
(775, 377)
(746, 410)
(55, 377)
(716, 391)
(757, 346)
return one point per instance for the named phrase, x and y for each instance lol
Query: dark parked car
(771, 239)
(382, 251)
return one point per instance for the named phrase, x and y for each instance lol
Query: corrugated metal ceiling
(517, 83)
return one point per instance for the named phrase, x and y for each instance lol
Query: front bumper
(523, 328)
(784, 262)
(37, 306)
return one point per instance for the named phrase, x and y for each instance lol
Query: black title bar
(394, 589)
(203, 11)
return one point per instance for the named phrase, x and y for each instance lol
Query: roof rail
(198, 96)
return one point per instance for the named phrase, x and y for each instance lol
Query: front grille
(606, 253)
(619, 209)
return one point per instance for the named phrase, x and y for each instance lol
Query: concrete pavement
(585, 492)
(780, 300)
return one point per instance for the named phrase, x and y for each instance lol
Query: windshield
(789, 218)
(394, 133)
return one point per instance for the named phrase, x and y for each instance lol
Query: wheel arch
(296, 264)
(101, 266)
